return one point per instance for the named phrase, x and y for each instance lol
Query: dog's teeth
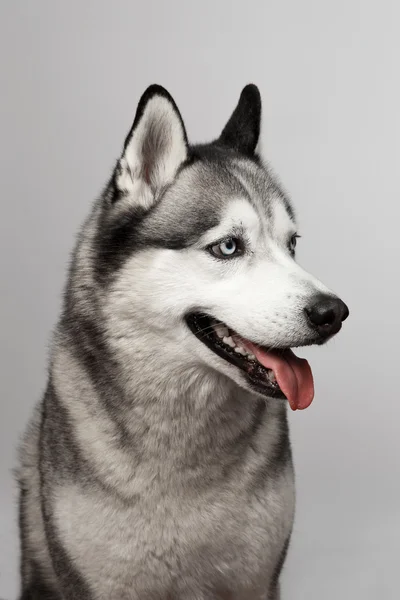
(221, 330)
(271, 376)
(251, 357)
(240, 350)
(229, 341)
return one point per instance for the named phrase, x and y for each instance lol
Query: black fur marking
(24, 562)
(87, 344)
(72, 583)
(37, 588)
(289, 208)
(243, 128)
(61, 450)
(279, 567)
(85, 337)
(116, 240)
(86, 341)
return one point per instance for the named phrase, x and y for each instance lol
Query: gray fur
(145, 473)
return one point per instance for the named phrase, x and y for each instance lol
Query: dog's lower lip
(212, 333)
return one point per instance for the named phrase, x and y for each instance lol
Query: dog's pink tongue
(292, 373)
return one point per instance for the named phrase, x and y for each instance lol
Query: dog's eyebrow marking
(289, 208)
(281, 222)
(278, 198)
(239, 215)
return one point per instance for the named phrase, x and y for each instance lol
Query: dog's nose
(326, 313)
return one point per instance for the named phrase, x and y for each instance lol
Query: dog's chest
(223, 543)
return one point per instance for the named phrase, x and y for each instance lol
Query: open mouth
(272, 373)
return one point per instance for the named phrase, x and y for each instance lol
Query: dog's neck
(195, 423)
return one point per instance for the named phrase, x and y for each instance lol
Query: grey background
(71, 75)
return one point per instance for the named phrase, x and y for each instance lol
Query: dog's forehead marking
(266, 195)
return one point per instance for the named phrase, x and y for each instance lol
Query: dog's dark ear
(154, 149)
(242, 131)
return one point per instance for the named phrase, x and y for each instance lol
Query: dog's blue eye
(226, 249)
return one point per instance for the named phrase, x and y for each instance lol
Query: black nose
(326, 313)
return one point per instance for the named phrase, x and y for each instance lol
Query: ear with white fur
(154, 149)
(242, 131)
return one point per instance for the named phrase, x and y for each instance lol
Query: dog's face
(200, 244)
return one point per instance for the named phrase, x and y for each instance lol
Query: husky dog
(158, 464)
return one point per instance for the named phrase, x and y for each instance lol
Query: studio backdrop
(71, 76)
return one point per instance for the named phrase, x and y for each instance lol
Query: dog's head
(195, 247)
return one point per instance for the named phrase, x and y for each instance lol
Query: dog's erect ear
(242, 131)
(154, 149)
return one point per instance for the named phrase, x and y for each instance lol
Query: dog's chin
(241, 353)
